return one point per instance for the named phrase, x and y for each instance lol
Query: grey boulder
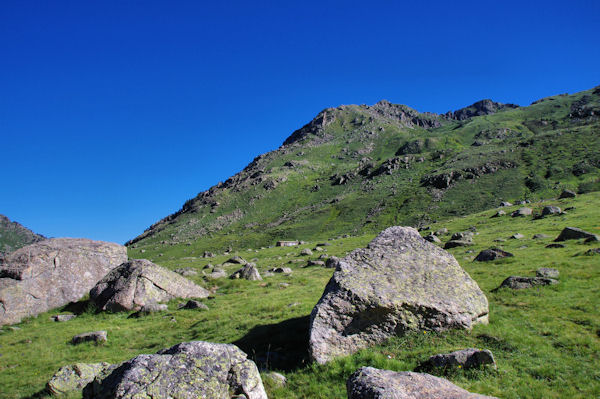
(94, 336)
(140, 282)
(53, 273)
(550, 210)
(188, 370)
(522, 212)
(247, 272)
(464, 358)
(372, 383)
(74, 377)
(399, 283)
(519, 283)
(547, 272)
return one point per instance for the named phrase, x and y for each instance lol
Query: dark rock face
(372, 383)
(492, 254)
(567, 194)
(519, 283)
(140, 282)
(399, 283)
(465, 358)
(573, 233)
(52, 273)
(188, 370)
(248, 272)
(193, 304)
(432, 238)
(483, 107)
(457, 243)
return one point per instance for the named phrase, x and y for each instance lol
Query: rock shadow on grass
(281, 346)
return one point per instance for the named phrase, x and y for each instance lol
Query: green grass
(545, 340)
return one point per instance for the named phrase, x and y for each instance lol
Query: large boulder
(53, 273)
(188, 370)
(139, 282)
(372, 383)
(399, 283)
(573, 233)
(74, 377)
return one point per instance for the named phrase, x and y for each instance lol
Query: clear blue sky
(113, 113)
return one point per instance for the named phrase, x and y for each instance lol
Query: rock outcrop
(247, 272)
(53, 273)
(399, 283)
(187, 370)
(139, 282)
(372, 383)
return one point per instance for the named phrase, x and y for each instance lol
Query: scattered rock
(316, 263)
(284, 270)
(540, 236)
(324, 244)
(505, 203)
(593, 251)
(138, 282)
(150, 308)
(432, 238)
(441, 231)
(555, 246)
(462, 236)
(372, 383)
(208, 254)
(593, 238)
(193, 304)
(318, 249)
(517, 236)
(492, 254)
(237, 260)
(519, 283)
(306, 252)
(278, 380)
(216, 273)
(550, 210)
(94, 336)
(186, 271)
(547, 272)
(53, 273)
(499, 213)
(248, 272)
(522, 212)
(573, 233)
(399, 283)
(74, 377)
(332, 262)
(465, 358)
(287, 243)
(567, 194)
(457, 243)
(187, 370)
(63, 317)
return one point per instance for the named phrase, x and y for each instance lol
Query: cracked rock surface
(52, 273)
(399, 283)
(188, 370)
(139, 282)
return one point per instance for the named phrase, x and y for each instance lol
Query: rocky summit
(52, 273)
(188, 370)
(140, 282)
(399, 283)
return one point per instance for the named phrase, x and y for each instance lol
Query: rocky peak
(483, 107)
(314, 127)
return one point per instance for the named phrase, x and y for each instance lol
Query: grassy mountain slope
(14, 236)
(358, 169)
(545, 340)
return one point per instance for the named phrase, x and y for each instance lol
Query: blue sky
(113, 113)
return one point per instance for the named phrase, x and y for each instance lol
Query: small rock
(306, 252)
(547, 272)
(324, 244)
(522, 212)
(593, 251)
(499, 240)
(278, 380)
(518, 282)
(193, 304)
(457, 243)
(63, 317)
(150, 308)
(465, 358)
(492, 254)
(94, 336)
(505, 203)
(284, 270)
(573, 233)
(208, 254)
(555, 246)
(498, 214)
(238, 260)
(517, 236)
(186, 271)
(567, 194)
(318, 249)
(540, 236)
(462, 236)
(316, 263)
(550, 210)
(432, 238)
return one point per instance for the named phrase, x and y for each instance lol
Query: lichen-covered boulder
(247, 272)
(399, 283)
(52, 273)
(74, 377)
(372, 383)
(187, 370)
(139, 282)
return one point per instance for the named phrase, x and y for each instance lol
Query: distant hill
(14, 236)
(357, 169)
